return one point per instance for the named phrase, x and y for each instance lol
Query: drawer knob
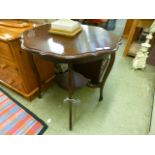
(2, 66)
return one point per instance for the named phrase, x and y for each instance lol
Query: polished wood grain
(91, 42)
(16, 69)
(8, 32)
(15, 23)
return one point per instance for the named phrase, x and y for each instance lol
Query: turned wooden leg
(101, 93)
(70, 91)
(70, 116)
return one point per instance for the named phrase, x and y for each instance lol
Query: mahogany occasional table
(92, 44)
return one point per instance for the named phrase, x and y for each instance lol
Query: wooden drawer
(5, 62)
(9, 75)
(5, 51)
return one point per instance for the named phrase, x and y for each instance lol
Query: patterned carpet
(15, 119)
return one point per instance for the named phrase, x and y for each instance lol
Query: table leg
(70, 93)
(112, 58)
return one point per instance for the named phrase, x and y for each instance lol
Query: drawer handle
(3, 66)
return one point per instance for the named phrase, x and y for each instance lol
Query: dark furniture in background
(92, 46)
(108, 24)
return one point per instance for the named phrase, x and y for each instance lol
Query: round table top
(91, 42)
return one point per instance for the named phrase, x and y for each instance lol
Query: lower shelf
(78, 80)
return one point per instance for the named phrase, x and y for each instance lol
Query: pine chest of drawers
(16, 70)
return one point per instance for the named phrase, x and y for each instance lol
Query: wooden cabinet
(16, 66)
(128, 25)
(132, 31)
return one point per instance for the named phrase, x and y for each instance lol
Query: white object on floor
(139, 61)
(74, 101)
(49, 120)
